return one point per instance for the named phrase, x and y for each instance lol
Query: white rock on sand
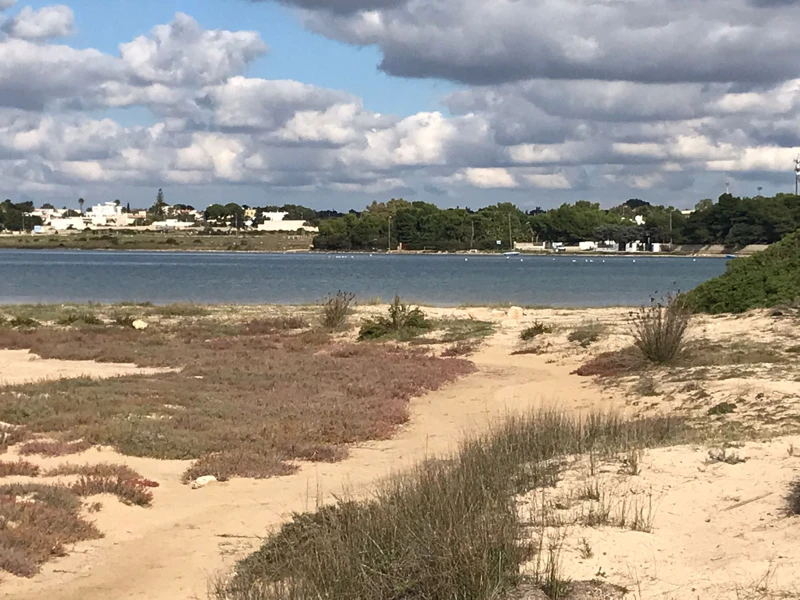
(139, 325)
(203, 481)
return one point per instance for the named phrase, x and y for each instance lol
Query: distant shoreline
(374, 252)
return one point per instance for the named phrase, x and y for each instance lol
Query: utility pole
(510, 239)
(670, 229)
(390, 234)
(472, 236)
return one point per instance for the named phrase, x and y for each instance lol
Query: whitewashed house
(276, 221)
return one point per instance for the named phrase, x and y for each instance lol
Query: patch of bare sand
(719, 531)
(20, 366)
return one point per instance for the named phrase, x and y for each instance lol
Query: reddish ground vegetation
(243, 403)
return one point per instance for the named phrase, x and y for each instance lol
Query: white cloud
(487, 178)
(214, 125)
(47, 22)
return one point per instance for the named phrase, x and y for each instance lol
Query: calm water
(161, 277)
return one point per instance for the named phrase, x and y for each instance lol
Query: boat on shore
(514, 253)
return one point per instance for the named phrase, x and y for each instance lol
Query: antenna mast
(797, 175)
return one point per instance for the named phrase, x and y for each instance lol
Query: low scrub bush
(46, 518)
(587, 333)
(23, 323)
(124, 320)
(129, 491)
(270, 325)
(20, 467)
(336, 308)
(448, 529)
(538, 328)
(766, 279)
(659, 329)
(84, 318)
(53, 448)
(403, 323)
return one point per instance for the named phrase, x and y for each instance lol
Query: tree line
(731, 221)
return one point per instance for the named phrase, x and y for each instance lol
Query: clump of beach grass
(538, 328)
(448, 528)
(403, 322)
(659, 329)
(336, 308)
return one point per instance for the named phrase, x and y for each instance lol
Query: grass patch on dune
(446, 529)
(246, 401)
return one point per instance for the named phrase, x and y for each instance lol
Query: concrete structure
(530, 246)
(276, 221)
(108, 214)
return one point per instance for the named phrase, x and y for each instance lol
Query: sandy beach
(174, 548)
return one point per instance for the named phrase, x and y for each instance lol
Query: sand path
(20, 366)
(173, 549)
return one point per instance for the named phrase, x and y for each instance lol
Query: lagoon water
(29, 276)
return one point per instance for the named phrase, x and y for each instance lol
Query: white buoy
(573, 260)
(520, 260)
(634, 260)
(466, 259)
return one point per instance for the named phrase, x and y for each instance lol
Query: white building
(276, 221)
(172, 224)
(67, 223)
(108, 214)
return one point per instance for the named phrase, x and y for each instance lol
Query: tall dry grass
(659, 329)
(445, 530)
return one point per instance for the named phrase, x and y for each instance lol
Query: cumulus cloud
(47, 22)
(6, 4)
(184, 54)
(656, 41)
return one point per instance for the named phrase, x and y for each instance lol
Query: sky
(337, 103)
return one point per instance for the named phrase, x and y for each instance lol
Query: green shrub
(336, 309)
(659, 329)
(87, 318)
(587, 334)
(538, 328)
(766, 279)
(23, 323)
(404, 322)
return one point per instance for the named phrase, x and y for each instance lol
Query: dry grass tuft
(336, 308)
(20, 467)
(53, 448)
(446, 529)
(660, 328)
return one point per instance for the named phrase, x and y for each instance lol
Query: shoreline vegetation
(295, 244)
